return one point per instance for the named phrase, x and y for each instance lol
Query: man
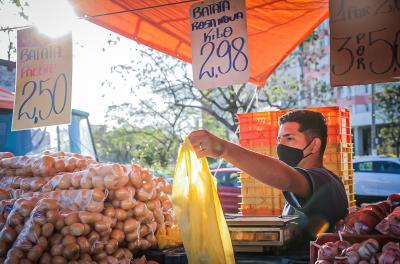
(314, 193)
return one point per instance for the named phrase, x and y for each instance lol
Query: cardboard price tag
(365, 41)
(44, 80)
(220, 53)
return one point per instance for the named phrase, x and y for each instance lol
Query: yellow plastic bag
(198, 210)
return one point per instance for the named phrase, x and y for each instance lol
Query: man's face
(290, 136)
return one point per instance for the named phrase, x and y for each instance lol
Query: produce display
(43, 166)
(391, 224)
(15, 222)
(32, 184)
(67, 208)
(373, 222)
(369, 251)
(382, 217)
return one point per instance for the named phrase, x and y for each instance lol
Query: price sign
(220, 53)
(365, 41)
(44, 78)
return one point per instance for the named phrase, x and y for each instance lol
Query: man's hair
(312, 125)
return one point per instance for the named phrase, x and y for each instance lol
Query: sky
(91, 64)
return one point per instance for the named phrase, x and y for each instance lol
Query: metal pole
(58, 139)
(373, 126)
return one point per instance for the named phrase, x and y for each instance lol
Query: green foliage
(18, 3)
(144, 146)
(388, 102)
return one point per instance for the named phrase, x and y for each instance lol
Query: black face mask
(291, 156)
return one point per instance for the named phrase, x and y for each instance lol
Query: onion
(127, 204)
(98, 195)
(89, 217)
(109, 211)
(98, 182)
(71, 251)
(120, 214)
(101, 226)
(111, 246)
(77, 229)
(47, 229)
(131, 225)
(76, 180)
(125, 193)
(135, 178)
(143, 195)
(72, 218)
(84, 244)
(118, 235)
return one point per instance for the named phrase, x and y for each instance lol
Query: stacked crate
(259, 132)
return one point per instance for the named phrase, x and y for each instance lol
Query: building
(7, 74)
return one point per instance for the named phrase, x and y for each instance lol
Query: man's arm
(265, 169)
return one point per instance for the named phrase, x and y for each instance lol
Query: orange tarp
(275, 27)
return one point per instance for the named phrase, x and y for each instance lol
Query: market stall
(64, 207)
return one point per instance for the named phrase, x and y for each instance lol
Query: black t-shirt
(326, 205)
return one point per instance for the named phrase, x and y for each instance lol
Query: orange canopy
(275, 27)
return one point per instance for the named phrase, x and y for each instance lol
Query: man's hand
(206, 144)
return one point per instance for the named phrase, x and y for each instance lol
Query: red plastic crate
(258, 189)
(265, 150)
(337, 156)
(335, 116)
(264, 134)
(257, 142)
(273, 133)
(263, 141)
(268, 202)
(260, 212)
(352, 203)
(260, 121)
(338, 130)
(337, 139)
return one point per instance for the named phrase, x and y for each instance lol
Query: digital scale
(255, 233)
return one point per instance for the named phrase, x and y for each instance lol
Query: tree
(11, 49)
(126, 144)
(18, 3)
(388, 102)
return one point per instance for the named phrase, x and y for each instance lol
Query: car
(375, 178)
(229, 189)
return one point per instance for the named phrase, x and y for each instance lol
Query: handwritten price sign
(44, 78)
(219, 43)
(365, 41)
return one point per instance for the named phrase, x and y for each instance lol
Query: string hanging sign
(365, 41)
(44, 80)
(219, 43)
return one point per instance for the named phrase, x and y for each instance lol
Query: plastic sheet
(45, 165)
(19, 214)
(32, 241)
(198, 210)
(100, 176)
(75, 200)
